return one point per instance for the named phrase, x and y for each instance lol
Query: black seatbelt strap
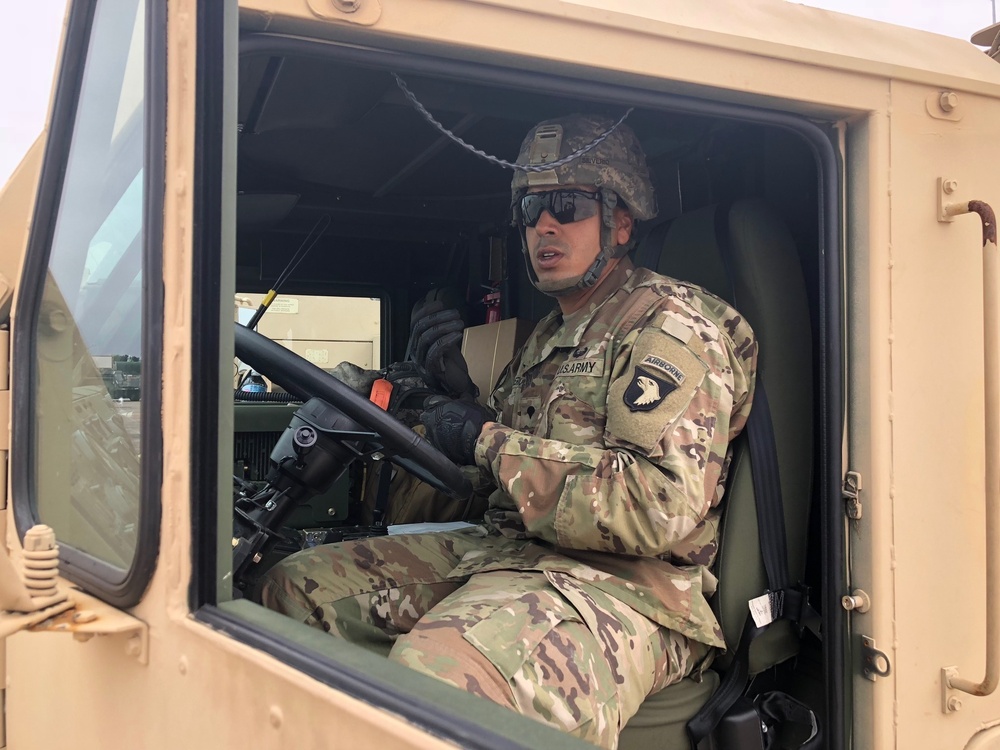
(767, 490)
(733, 683)
(781, 600)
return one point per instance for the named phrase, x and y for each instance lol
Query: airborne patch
(651, 360)
(647, 391)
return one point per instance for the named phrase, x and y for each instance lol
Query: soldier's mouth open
(548, 258)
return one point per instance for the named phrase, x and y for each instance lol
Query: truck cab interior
(372, 160)
(342, 137)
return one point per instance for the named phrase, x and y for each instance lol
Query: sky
(30, 35)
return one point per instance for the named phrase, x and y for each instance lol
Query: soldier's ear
(623, 225)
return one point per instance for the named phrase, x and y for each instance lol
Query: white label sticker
(318, 356)
(760, 610)
(286, 305)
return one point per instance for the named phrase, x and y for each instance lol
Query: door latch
(874, 663)
(851, 492)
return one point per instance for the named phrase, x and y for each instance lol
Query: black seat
(764, 282)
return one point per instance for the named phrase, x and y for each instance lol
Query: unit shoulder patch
(647, 390)
(653, 390)
(669, 368)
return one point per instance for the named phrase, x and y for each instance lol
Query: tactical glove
(435, 345)
(454, 426)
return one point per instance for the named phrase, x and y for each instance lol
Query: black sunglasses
(566, 206)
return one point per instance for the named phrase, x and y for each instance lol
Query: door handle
(950, 679)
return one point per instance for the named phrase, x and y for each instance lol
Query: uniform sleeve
(672, 410)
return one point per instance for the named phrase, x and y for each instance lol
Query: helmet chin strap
(562, 287)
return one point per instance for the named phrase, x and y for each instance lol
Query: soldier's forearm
(590, 498)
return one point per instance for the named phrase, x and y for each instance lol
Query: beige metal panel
(319, 317)
(167, 593)
(937, 480)
(780, 29)
(325, 330)
(867, 306)
(988, 739)
(665, 57)
(767, 46)
(200, 690)
(328, 354)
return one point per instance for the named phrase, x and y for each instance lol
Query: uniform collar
(555, 331)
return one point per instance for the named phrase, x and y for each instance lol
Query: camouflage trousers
(539, 642)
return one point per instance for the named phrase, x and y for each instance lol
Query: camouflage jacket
(612, 445)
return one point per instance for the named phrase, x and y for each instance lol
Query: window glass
(324, 330)
(88, 339)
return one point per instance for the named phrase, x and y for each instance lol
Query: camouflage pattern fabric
(610, 457)
(547, 645)
(616, 163)
(621, 416)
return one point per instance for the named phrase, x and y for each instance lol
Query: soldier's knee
(303, 582)
(282, 589)
(444, 654)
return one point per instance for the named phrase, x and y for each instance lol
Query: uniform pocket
(509, 636)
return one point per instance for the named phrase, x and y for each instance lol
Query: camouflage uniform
(585, 589)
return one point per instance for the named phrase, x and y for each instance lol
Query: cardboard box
(487, 350)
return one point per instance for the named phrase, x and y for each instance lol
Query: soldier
(585, 588)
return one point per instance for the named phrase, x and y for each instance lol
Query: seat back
(768, 288)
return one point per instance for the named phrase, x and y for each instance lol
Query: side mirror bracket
(34, 600)
(31, 598)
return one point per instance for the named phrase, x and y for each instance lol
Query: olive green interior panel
(768, 288)
(258, 427)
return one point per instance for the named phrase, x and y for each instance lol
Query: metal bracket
(874, 663)
(93, 617)
(14, 622)
(947, 206)
(857, 601)
(949, 701)
(37, 601)
(851, 492)
(944, 105)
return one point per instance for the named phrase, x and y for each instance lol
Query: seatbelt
(780, 601)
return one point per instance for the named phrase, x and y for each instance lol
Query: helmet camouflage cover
(616, 165)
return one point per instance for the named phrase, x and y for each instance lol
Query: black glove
(453, 427)
(435, 345)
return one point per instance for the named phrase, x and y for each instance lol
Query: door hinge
(851, 492)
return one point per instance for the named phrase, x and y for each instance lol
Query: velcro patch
(651, 360)
(645, 401)
(647, 391)
(678, 329)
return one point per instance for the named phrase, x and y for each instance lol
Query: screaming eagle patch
(647, 391)
(652, 391)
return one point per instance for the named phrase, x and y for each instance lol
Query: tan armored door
(936, 542)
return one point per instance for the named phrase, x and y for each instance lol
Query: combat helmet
(608, 157)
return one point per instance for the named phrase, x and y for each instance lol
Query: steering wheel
(305, 380)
